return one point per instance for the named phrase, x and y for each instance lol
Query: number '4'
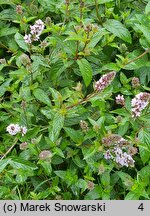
(141, 207)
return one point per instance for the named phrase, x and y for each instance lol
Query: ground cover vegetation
(74, 99)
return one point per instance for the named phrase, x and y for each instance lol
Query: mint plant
(74, 99)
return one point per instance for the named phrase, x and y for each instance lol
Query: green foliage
(49, 87)
(86, 70)
(117, 28)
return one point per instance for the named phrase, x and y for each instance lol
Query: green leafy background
(46, 87)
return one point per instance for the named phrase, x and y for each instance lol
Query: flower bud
(3, 61)
(88, 28)
(48, 21)
(135, 82)
(132, 150)
(78, 88)
(120, 100)
(23, 145)
(45, 155)
(101, 169)
(19, 9)
(90, 185)
(105, 81)
(84, 125)
(25, 60)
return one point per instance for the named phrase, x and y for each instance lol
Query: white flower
(108, 155)
(23, 130)
(117, 151)
(138, 103)
(13, 129)
(120, 157)
(120, 100)
(104, 81)
(27, 38)
(37, 28)
(123, 158)
(35, 32)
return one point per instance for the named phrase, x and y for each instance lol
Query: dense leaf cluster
(48, 87)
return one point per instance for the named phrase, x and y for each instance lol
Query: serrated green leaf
(123, 78)
(118, 29)
(96, 38)
(147, 8)
(8, 31)
(61, 174)
(20, 41)
(132, 196)
(123, 128)
(59, 152)
(4, 163)
(87, 153)
(144, 30)
(111, 66)
(81, 183)
(144, 174)
(8, 14)
(19, 163)
(78, 161)
(121, 111)
(86, 71)
(47, 167)
(57, 125)
(56, 96)
(103, 1)
(4, 86)
(144, 147)
(105, 178)
(46, 112)
(74, 38)
(75, 135)
(144, 75)
(42, 96)
(9, 2)
(38, 60)
(94, 194)
(127, 180)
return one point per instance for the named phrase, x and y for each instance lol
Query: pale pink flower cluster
(35, 32)
(105, 81)
(123, 158)
(120, 100)
(14, 129)
(117, 151)
(120, 157)
(139, 102)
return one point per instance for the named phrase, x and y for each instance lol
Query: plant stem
(138, 57)
(77, 50)
(31, 72)
(4, 46)
(81, 12)
(97, 13)
(84, 100)
(9, 150)
(86, 43)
